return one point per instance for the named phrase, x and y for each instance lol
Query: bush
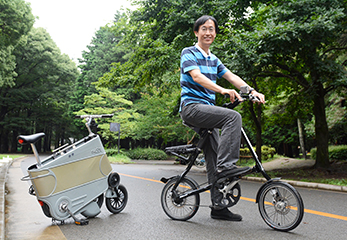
(266, 152)
(147, 154)
(335, 152)
(111, 151)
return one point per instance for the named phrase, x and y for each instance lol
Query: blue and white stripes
(209, 65)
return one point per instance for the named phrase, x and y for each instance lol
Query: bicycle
(76, 178)
(280, 204)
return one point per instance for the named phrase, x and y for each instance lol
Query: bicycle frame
(195, 151)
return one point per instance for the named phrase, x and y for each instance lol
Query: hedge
(266, 152)
(335, 152)
(147, 154)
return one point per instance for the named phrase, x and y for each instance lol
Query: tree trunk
(321, 128)
(301, 139)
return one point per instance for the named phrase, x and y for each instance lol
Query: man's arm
(232, 78)
(238, 82)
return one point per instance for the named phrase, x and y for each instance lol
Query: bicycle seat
(24, 139)
(181, 149)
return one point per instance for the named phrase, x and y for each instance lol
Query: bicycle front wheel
(180, 208)
(281, 206)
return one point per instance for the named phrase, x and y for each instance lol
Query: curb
(4, 166)
(320, 186)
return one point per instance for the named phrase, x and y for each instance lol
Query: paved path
(4, 165)
(10, 174)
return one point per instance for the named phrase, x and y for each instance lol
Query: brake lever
(254, 98)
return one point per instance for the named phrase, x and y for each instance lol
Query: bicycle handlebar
(95, 116)
(245, 95)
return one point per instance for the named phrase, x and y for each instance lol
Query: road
(143, 218)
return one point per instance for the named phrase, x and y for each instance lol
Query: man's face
(206, 33)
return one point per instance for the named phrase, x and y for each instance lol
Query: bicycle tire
(281, 207)
(184, 209)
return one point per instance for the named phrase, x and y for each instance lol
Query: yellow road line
(253, 200)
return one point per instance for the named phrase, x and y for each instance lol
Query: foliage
(301, 46)
(158, 120)
(335, 152)
(39, 99)
(266, 151)
(95, 62)
(119, 158)
(336, 118)
(108, 102)
(146, 154)
(16, 20)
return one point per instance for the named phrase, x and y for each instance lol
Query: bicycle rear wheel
(281, 206)
(176, 208)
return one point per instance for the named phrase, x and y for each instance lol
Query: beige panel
(71, 175)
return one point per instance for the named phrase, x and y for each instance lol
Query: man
(199, 72)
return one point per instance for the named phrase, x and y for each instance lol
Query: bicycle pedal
(82, 222)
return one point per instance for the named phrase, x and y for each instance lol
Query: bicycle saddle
(24, 139)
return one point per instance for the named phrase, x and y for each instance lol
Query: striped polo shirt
(195, 58)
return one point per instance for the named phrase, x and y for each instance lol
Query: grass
(13, 156)
(120, 158)
(335, 175)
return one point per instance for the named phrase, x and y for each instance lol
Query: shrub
(335, 152)
(266, 152)
(111, 151)
(147, 154)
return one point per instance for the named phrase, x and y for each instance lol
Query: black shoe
(233, 172)
(225, 214)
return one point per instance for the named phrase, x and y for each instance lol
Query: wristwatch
(251, 90)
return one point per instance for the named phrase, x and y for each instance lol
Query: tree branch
(296, 75)
(331, 49)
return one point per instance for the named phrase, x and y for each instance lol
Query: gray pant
(221, 151)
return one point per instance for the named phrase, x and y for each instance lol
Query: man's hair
(202, 20)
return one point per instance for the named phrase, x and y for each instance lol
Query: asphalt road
(143, 218)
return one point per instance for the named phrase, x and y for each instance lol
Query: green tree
(16, 20)
(102, 52)
(105, 101)
(300, 45)
(38, 101)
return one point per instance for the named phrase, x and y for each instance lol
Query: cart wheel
(281, 206)
(117, 204)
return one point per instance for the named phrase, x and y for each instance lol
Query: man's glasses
(205, 29)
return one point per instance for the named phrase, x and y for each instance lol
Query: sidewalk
(290, 163)
(22, 208)
(4, 165)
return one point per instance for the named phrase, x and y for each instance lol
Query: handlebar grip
(232, 105)
(95, 116)
(107, 115)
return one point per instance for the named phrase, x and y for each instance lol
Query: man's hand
(259, 95)
(232, 94)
